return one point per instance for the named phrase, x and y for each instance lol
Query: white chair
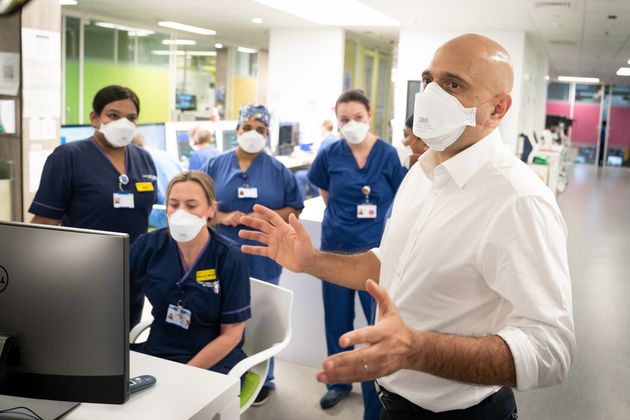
(267, 333)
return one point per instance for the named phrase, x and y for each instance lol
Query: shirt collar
(466, 163)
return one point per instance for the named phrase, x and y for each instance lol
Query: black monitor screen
(64, 301)
(185, 102)
(413, 87)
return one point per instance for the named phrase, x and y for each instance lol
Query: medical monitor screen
(154, 134)
(185, 102)
(70, 133)
(184, 149)
(229, 139)
(64, 302)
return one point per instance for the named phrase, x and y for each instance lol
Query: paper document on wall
(9, 73)
(7, 117)
(42, 129)
(37, 158)
(41, 56)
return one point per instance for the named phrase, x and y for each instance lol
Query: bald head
(486, 62)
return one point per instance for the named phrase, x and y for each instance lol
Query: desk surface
(181, 392)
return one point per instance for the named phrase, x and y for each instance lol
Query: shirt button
(397, 273)
(435, 193)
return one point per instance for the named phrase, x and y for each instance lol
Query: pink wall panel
(585, 121)
(560, 108)
(619, 131)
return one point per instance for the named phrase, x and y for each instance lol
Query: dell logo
(4, 279)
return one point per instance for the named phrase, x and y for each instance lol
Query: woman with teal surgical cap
(246, 176)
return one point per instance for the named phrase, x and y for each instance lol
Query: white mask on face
(439, 118)
(184, 226)
(251, 141)
(118, 133)
(355, 132)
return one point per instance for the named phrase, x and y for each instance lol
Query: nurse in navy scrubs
(103, 182)
(358, 178)
(196, 280)
(246, 176)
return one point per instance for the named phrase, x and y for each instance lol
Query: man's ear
(500, 109)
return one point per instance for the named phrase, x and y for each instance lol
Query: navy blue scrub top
(336, 171)
(78, 183)
(277, 188)
(156, 267)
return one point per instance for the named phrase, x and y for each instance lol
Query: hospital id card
(178, 315)
(123, 200)
(248, 192)
(366, 211)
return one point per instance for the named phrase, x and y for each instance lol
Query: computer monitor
(64, 300)
(185, 101)
(184, 149)
(229, 139)
(287, 138)
(154, 134)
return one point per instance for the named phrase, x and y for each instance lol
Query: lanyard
(180, 282)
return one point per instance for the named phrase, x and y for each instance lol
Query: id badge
(213, 285)
(123, 200)
(248, 192)
(178, 315)
(366, 211)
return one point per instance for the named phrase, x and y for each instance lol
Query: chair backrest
(271, 316)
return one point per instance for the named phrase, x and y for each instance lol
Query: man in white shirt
(474, 291)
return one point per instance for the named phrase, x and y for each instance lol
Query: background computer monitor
(185, 101)
(184, 149)
(229, 139)
(154, 134)
(287, 137)
(65, 301)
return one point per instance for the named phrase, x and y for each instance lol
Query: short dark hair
(354, 95)
(111, 94)
(409, 123)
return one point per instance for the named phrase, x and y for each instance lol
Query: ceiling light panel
(346, 12)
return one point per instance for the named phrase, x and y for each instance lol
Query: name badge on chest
(366, 211)
(248, 192)
(178, 315)
(123, 200)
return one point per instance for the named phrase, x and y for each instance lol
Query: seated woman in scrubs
(196, 280)
(246, 176)
(358, 177)
(103, 182)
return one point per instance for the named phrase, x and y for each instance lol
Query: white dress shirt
(476, 246)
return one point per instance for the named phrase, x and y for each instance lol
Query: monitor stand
(46, 409)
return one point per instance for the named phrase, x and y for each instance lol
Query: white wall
(305, 76)
(415, 51)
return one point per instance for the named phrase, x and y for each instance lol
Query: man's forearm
(479, 360)
(350, 271)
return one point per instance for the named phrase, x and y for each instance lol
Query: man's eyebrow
(457, 78)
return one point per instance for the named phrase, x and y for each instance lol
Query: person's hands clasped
(288, 244)
(386, 351)
(232, 219)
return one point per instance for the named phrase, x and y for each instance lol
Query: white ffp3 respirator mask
(184, 226)
(251, 141)
(439, 118)
(355, 132)
(118, 133)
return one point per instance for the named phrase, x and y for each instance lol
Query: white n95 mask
(184, 226)
(439, 118)
(251, 141)
(118, 133)
(354, 131)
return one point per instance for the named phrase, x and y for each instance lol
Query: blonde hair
(201, 178)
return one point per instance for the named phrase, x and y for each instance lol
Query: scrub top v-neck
(335, 170)
(78, 183)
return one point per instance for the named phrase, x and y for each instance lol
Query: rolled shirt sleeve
(527, 265)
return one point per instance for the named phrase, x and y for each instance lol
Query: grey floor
(596, 207)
